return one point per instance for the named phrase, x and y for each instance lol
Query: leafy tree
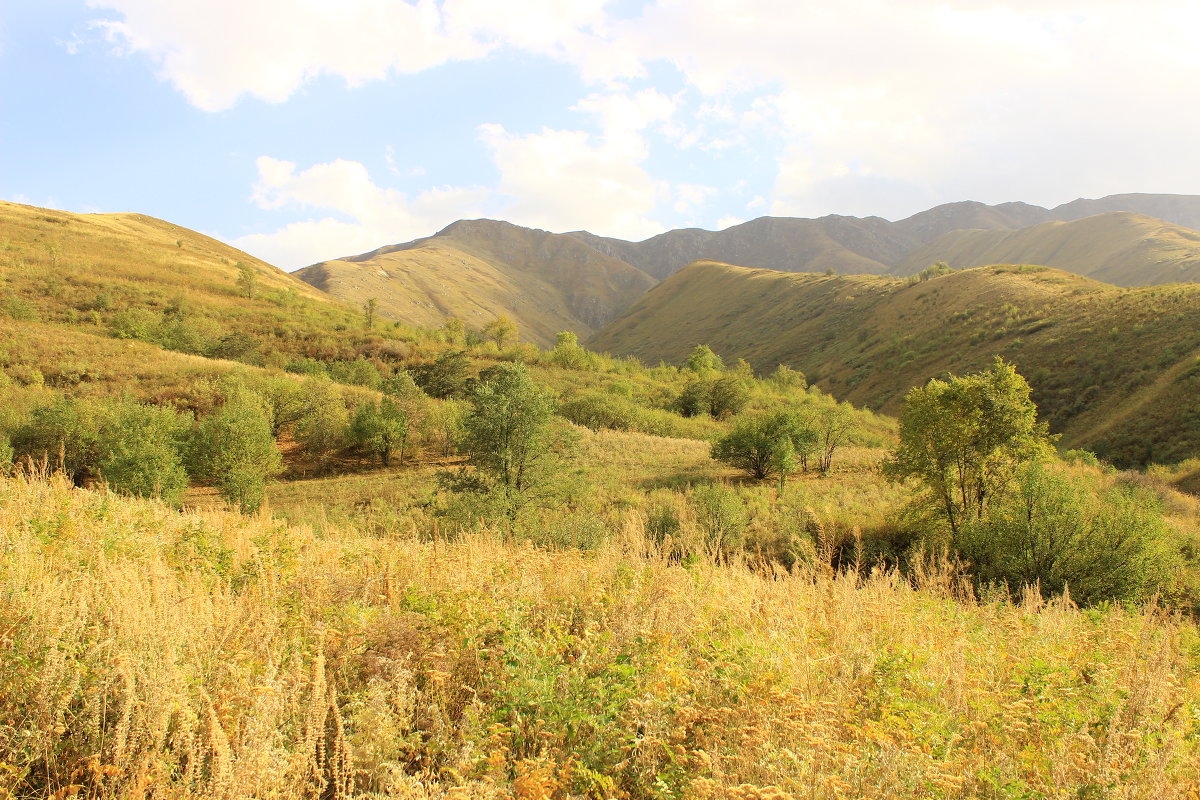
(500, 330)
(763, 446)
(321, 428)
(568, 354)
(785, 379)
(369, 309)
(965, 438)
(284, 399)
(63, 434)
(728, 395)
(233, 449)
(1061, 533)
(247, 279)
(694, 399)
(509, 441)
(381, 430)
(833, 426)
(141, 451)
(445, 377)
(454, 330)
(702, 359)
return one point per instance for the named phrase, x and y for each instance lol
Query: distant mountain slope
(1120, 247)
(1115, 370)
(477, 269)
(871, 245)
(1182, 209)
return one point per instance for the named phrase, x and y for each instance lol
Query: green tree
(966, 437)
(833, 425)
(567, 352)
(763, 446)
(62, 433)
(369, 309)
(702, 359)
(454, 330)
(7, 454)
(233, 449)
(247, 279)
(322, 427)
(140, 451)
(508, 439)
(1064, 533)
(445, 377)
(500, 330)
(728, 395)
(381, 430)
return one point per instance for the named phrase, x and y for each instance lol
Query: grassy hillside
(207, 655)
(1120, 248)
(476, 270)
(137, 277)
(1114, 370)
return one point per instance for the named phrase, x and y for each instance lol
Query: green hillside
(1113, 370)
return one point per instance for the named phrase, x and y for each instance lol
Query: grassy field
(153, 654)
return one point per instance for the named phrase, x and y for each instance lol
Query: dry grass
(151, 654)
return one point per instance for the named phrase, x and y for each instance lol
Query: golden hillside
(476, 270)
(1122, 248)
(1113, 370)
(126, 274)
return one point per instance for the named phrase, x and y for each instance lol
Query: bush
(381, 430)
(62, 432)
(446, 377)
(321, 426)
(1067, 533)
(596, 410)
(233, 449)
(359, 372)
(767, 445)
(722, 516)
(140, 451)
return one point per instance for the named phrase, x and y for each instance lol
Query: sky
(304, 130)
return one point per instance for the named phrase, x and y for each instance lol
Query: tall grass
(148, 653)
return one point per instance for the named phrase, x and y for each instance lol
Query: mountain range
(577, 281)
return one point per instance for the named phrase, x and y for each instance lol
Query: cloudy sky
(302, 130)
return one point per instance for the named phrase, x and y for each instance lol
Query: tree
(233, 449)
(247, 279)
(702, 359)
(833, 425)
(321, 428)
(763, 446)
(381, 430)
(454, 330)
(1066, 533)
(500, 330)
(728, 395)
(567, 352)
(445, 377)
(140, 451)
(369, 309)
(966, 437)
(509, 441)
(63, 434)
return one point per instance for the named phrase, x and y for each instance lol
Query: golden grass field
(156, 654)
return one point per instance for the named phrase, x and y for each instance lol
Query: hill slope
(129, 273)
(477, 269)
(1119, 247)
(1114, 370)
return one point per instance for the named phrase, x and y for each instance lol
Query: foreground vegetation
(153, 654)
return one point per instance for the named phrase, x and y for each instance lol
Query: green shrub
(63, 433)
(722, 516)
(1068, 533)
(140, 451)
(233, 449)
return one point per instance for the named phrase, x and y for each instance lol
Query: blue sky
(302, 130)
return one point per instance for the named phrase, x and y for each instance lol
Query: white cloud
(568, 179)
(377, 216)
(214, 51)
